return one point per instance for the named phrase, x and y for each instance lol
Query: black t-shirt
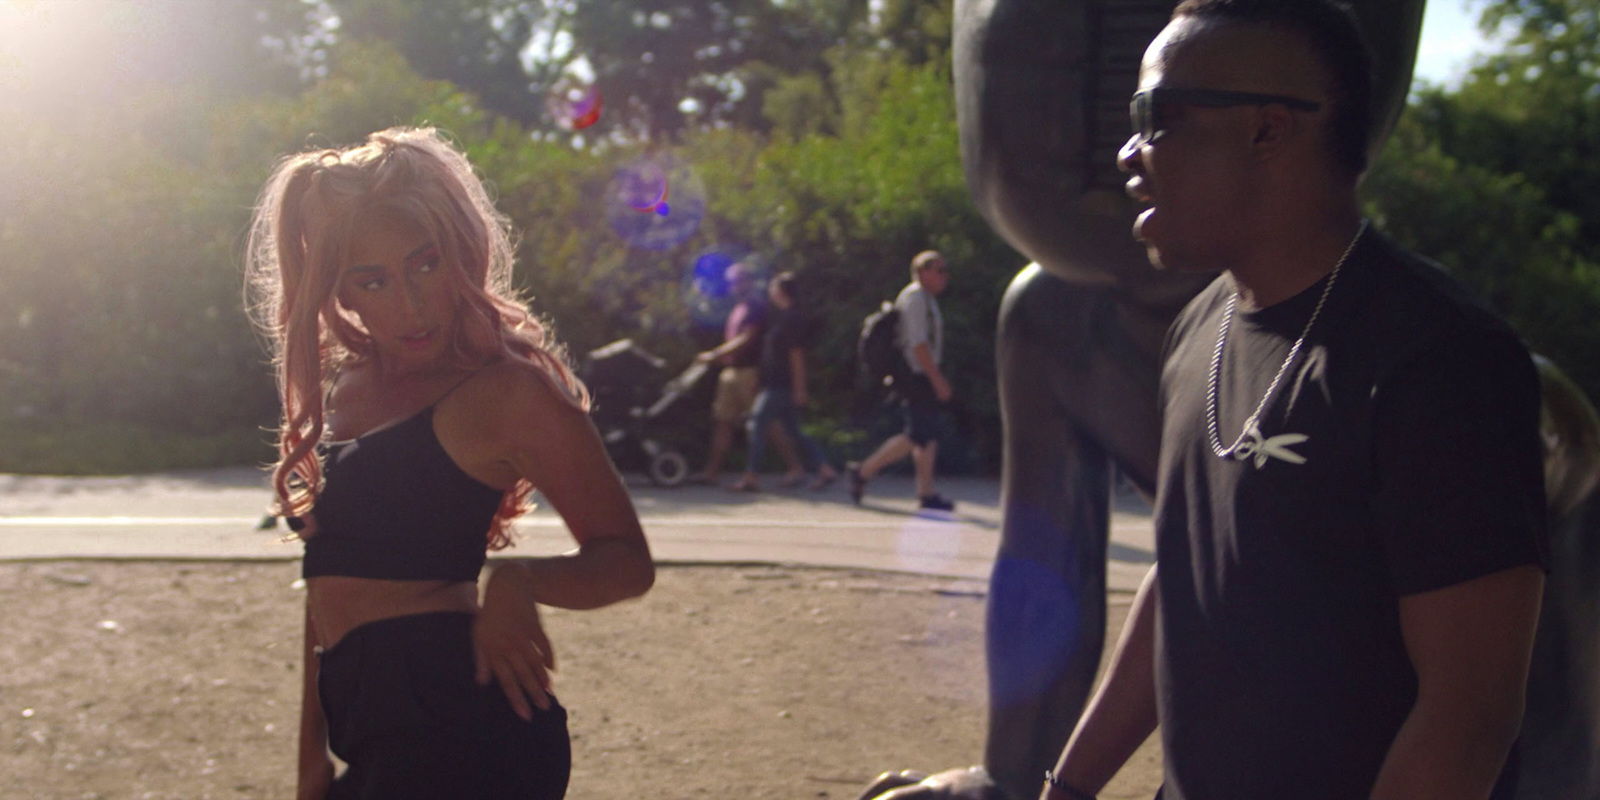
(1281, 671)
(786, 330)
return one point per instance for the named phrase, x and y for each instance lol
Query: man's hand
(963, 783)
(941, 389)
(509, 644)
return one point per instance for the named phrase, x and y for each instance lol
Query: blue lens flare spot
(706, 291)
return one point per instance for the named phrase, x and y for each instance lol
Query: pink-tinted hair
(299, 240)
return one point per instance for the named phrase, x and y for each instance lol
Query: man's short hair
(1336, 38)
(923, 259)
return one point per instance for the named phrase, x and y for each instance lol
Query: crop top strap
(327, 397)
(455, 386)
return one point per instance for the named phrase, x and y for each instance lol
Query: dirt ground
(179, 681)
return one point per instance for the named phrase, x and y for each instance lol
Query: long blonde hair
(299, 240)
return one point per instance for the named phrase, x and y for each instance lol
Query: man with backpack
(922, 387)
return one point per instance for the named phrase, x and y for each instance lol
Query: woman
(783, 386)
(422, 403)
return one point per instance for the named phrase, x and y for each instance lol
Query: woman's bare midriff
(340, 604)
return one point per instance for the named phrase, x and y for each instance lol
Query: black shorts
(921, 409)
(405, 713)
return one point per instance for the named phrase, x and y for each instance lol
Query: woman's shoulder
(350, 387)
(504, 407)
(513, 388)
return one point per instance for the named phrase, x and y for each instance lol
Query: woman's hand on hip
(509, 643)
(315, 780)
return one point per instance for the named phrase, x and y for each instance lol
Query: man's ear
(1276, 128)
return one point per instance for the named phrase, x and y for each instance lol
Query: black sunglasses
(1144, 110)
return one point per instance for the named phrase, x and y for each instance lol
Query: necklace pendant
(1249, 446)
(1259, 449)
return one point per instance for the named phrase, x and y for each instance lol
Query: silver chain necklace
(1252, 431)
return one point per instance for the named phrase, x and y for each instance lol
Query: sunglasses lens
(1142, 115)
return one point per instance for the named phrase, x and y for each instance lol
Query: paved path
(213, 515)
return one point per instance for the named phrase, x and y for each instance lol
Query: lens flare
(928, 545)
(573, 104)
(644, 188)
(637, 202)
(705, 290)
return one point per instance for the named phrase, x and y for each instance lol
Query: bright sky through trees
(1450, 41)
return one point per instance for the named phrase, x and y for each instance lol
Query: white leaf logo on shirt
(1260, 449)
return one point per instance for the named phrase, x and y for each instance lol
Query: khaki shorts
(736, 393)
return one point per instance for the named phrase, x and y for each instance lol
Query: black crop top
(395, 505)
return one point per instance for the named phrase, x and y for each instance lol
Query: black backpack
(878, 348)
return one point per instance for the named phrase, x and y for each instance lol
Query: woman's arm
(552, 443)
(315, 767)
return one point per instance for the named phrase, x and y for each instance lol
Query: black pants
(405, 713)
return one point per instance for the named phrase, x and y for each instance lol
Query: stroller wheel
(668, 468)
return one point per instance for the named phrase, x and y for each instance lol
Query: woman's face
(395, 282)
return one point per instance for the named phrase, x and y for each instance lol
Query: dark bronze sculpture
(1042, 90)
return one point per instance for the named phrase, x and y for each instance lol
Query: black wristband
(296, 524)
(1072, 792)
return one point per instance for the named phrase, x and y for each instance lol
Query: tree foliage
(474, 44)
(824, 143)
(662, 67)
(1498, 180)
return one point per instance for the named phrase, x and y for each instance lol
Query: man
(738, 382)
(921, 339)
(1349, 513)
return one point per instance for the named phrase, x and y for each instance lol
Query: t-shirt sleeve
(913, 318)
(1459, 464)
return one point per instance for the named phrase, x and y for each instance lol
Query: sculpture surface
(1042, 88)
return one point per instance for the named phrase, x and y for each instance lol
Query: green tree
(475, 44)
(1498, 180)
(120, 313)
(848, 211)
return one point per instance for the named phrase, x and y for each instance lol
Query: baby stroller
(647, 421)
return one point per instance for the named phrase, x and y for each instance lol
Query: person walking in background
(740, 379)
(783, 385)
(422, 405)
(926, 390)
